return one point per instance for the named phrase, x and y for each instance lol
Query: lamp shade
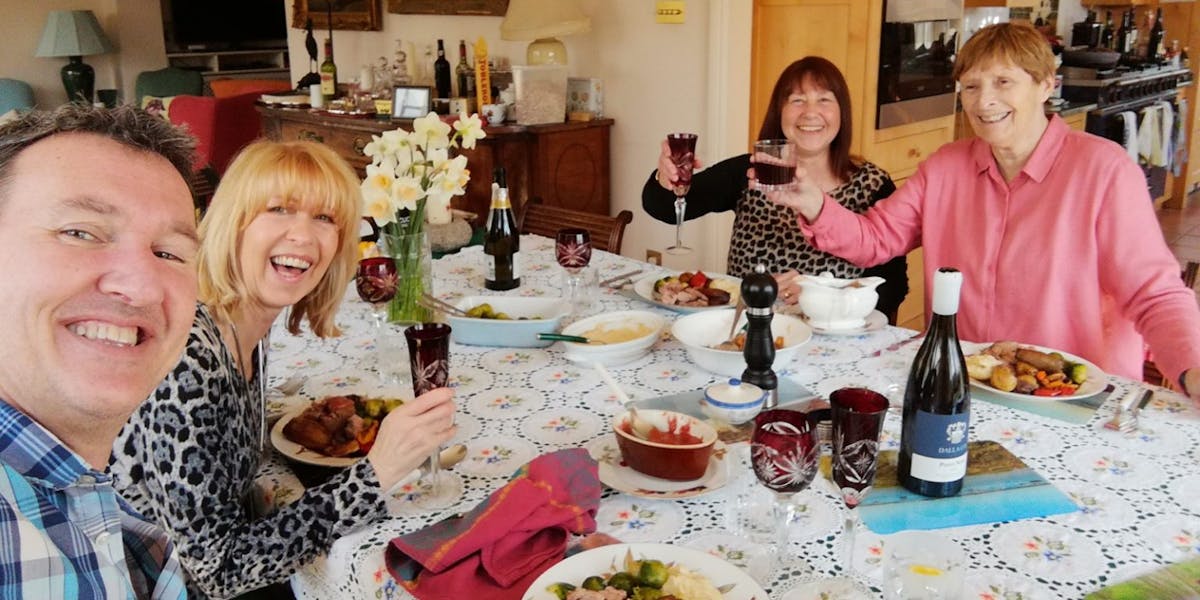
(72, 33)
(533, 19)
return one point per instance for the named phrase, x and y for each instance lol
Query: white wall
(133, 26)
(657, 78)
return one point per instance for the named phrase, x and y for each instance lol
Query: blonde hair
(307, 174)
(1016, 42)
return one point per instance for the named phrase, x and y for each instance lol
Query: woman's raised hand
(410, 433)
(668, 173)
(804, 196)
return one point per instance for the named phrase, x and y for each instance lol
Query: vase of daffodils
(409, 183)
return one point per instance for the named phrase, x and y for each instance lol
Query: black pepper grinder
(758, 292)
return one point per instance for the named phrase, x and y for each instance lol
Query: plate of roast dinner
(331, 432)
(689, 291)
(1028, 372)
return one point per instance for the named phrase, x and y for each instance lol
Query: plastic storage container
(541, 93)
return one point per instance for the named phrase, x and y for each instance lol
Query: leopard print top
(188, 454)
(764, 232)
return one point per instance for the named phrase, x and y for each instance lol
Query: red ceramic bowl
(676, 462)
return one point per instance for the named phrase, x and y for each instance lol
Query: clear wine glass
(429, 356)
(858, 415)
(573, 250)
(683, 155)
(783, 452)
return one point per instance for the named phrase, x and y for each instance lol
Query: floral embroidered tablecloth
(1138, 492)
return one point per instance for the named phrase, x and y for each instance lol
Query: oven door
(915, 65)
(1107, 123)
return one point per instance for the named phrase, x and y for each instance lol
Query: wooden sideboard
(564, 164)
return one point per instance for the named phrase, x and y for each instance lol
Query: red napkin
(499, 548)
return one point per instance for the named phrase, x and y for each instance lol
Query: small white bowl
(530, 316)
(733, 401)
(699, 331)
(611, 355)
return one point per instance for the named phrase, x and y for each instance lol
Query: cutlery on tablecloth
(619, 278)
(1126, 417)
(291, 385)
(896, 346)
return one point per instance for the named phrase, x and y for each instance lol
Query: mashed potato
(612, 333)
(690, 586)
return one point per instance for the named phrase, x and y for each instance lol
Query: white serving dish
(611, 355)
(514, 333)
(700, 330)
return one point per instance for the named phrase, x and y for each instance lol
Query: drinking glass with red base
(683, 155)
(774, 163)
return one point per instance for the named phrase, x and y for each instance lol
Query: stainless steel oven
(917, 46)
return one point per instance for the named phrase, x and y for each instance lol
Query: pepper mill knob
(758, 292)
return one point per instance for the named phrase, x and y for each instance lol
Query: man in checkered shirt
(97, 293)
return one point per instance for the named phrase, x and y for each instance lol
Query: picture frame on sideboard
(411, 101)
(495, 8)
(355, 15)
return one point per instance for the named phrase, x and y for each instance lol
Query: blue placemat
(998, 487)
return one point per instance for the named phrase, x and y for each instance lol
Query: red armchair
(222, 126)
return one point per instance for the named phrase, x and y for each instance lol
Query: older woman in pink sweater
(1053, 229)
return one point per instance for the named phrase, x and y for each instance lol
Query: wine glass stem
(435, 468)
(680, 209)
(849, 528)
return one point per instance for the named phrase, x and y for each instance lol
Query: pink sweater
(1069, 255)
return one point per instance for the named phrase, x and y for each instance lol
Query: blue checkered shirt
(64, 532)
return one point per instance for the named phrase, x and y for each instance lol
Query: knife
(611, 280)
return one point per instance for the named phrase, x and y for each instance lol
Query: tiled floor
(1181, 228)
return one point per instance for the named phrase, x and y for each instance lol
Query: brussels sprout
(560, 590)
(483, 311)
(622, 581)
(661, 282)
(1076, 371)
(372, 407)
(502, 316)
(594, 583)
(646, 593)
(653, 573)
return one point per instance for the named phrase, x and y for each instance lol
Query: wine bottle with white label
(937, 401)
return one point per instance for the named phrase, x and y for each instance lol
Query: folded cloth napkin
(499, 548)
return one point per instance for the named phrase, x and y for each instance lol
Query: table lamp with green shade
(542, 21)
(74, 34)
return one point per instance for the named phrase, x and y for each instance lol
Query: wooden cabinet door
(788, 30)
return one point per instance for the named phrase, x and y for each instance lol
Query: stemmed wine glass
(784, 453)
(573, 250)
(858, 415)
(683, 154)
(375, 281)
(429, 356)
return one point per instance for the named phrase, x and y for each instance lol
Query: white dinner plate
(293, 451)
(609, 559)
(875, 321)
(644, 288)
(624, 478)
(1096, 382)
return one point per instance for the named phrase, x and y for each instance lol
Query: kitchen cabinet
(564, 164)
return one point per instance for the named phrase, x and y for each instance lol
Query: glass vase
(414, 275)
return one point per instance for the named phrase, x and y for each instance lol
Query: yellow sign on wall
(668, 11)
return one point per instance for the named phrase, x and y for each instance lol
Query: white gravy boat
(833, 303)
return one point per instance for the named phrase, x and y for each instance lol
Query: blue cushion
(15, 94)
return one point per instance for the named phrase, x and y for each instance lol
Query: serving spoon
(729, 344)
(639, 425)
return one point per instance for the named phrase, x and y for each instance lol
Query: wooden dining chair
(1150, 372)
(606, 232)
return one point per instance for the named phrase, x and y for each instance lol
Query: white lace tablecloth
(1139, 493)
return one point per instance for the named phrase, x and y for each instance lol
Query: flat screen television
(210, 25)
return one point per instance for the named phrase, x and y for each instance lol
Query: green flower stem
(404, 241)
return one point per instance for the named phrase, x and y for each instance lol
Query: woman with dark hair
(810, 106)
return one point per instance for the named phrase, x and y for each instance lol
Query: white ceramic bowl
(611, 355)
(733, 401)
(698, 331)
(542, 315)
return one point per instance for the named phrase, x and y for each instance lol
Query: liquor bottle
(464, 72)
(328, 73)
(1154, 47)
(1132, 42)
(483, 75)
(1121, 42)
(502, 242)
(441, 72)
(937, 401)
(1106, 33)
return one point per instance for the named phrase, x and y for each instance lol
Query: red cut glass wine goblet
(858, 415)
(375, 281)
(573, 248)
(429, 356)
(784, 453)
(683, 155)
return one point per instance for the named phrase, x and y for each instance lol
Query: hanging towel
(1130, 121)
(1180, 155)
(1149, 135)
(1166, 115)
